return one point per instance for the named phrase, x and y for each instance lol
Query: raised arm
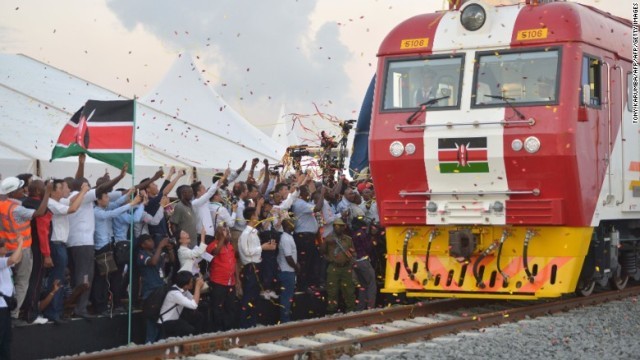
(42, 209)
(111, 183)
(153, 261)
(254, 163)
(77, 200)
(267, 177)
(167, 189)
(156, 176)
(80, 172)
(319, 201)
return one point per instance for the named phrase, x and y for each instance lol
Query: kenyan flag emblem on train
(463, 155)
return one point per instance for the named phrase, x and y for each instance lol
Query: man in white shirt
(250, 252)
(6, 288)
(81, 244)
(201, 205)
(287, 262)
(219, 213)
(60, 205)
(369, 205)
(240, 193)
(178, 314)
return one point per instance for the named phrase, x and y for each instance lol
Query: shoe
(40, 320)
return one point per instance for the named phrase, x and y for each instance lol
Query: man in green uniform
(338, 250)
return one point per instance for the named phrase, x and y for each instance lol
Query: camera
(347, 125)
(173, 241)
(298, 151)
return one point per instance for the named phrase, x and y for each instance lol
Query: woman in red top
(223, 278)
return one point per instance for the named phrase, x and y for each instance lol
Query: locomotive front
(487, 170)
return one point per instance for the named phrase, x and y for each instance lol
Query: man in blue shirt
(151, 260)
(306, 231)
(103, 237)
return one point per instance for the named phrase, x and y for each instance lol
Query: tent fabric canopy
(185, 94)
(36, 100)
(284, 132)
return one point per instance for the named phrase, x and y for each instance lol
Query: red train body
(520, 176)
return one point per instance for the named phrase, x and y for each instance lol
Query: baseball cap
(10, 185)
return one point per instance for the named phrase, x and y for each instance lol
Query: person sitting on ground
(178, 314)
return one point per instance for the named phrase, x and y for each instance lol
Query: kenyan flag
(102, 130)
(463, 155)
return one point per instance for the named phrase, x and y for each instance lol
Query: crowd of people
(232, 243)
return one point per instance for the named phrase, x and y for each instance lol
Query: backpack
(153, 303)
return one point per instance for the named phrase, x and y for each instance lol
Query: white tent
(284, 132)
(36, 100)
(185, 94)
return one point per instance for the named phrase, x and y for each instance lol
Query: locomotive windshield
(410, 83)
(519, 77)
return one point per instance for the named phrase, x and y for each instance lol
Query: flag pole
(131, 227)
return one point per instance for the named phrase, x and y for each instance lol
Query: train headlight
(396, 148)
(532, 144)
(432, 207)
(473, 17)
(410, 149)
(498, 206)
(516, 145)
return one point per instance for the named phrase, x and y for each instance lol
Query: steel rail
(224, 341)
(382, 340)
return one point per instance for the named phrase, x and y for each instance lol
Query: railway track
(350, 334)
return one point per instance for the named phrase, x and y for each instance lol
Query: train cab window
(590, 84)
(435, 81)
(529, 77)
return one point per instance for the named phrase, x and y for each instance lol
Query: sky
(259, 55)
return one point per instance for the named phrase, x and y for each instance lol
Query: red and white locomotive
(505, 157)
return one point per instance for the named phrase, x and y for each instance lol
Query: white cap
(10, 185)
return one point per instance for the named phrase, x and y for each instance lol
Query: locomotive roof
(564, 21)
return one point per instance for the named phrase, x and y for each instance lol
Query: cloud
(264, 52)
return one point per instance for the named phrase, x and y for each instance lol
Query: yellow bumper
(555, 256)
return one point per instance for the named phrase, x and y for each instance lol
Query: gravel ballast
(609, 331)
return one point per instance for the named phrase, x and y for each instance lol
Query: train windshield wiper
(423, 107)
(507, 100)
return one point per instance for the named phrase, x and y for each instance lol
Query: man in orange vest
(15, 220)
